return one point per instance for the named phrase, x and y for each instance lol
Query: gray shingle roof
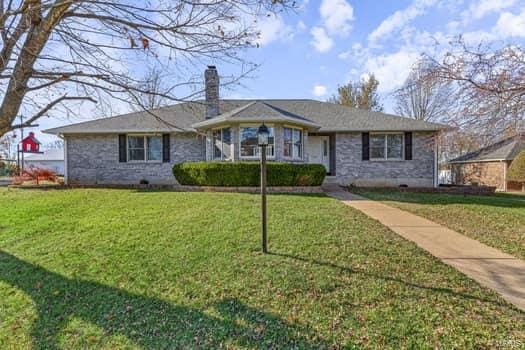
(260, 112)
(183, 117)
(506, 149)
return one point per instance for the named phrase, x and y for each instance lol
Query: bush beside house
(517, 170)
(240, 174)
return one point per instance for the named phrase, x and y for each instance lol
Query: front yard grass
(498, 220)
(157, 270)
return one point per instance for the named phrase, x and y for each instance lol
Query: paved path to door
(490, 267)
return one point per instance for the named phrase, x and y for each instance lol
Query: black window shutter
(166, 148)
(122, 157)
(366, 146)
(408, 146)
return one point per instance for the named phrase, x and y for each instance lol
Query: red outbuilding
(30, 144)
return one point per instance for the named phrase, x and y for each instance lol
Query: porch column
(209, 145)
(305, 143)
(278, 142)
(235, 142)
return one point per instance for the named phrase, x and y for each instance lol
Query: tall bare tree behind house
(489, 87)
(55, 54)
(424, 99)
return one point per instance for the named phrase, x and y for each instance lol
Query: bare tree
(57, 144)
(489, 86)
(57, 53)
(424, 99)
(362, 94)
(154, 84)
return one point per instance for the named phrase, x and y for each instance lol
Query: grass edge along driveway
(497, 221)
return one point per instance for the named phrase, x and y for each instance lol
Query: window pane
(226, 143)
(395, 146)
(217, 144)
(377, 146)
(287, 152)
(136, 154)
(249, 143)
(287, 135)
(136, 150)
(154, 147)
(135, 141)
(298, 143)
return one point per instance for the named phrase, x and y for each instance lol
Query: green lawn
(153, 269)
(498, 221)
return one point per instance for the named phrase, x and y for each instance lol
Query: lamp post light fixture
(262, 137)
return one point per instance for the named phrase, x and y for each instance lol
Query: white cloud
(510, 25)
(480, 9)
(301, 26)
(391, 69)
(321, 41)
(337, 16)
(319, 90)
(272, 28)
(344, 55)
(400, 19)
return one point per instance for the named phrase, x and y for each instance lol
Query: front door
(319, 150)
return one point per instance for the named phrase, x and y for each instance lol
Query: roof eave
(377, 130)
(215, 122)
(103, 132)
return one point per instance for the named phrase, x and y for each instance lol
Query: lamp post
(262, 138)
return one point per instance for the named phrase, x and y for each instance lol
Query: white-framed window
(386, 146)
(222, 144)
(144, 148)
(293, 143)
(249, 145)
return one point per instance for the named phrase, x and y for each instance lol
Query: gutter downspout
(66, 166)
(436, 161)
(504, 175)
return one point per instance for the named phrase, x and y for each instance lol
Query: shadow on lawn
(496, 200)
(148, 322)
(390, 279)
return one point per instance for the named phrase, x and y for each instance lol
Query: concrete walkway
(488, 266)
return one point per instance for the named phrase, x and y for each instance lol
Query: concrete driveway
(501, 272)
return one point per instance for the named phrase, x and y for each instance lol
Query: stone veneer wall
(94, 159)
(351, 169)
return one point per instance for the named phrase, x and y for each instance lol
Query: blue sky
(309, 52)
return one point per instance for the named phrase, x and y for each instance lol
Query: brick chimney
(211, 82)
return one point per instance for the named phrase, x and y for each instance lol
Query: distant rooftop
(506, 149)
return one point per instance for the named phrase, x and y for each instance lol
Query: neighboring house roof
(506, 149)
(186, 116)
(48, 155)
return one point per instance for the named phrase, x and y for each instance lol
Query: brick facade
(94, 159)
(481, 173)
(351, 169)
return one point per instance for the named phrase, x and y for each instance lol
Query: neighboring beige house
(488, 166)
(51, 159)
(356, 146)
